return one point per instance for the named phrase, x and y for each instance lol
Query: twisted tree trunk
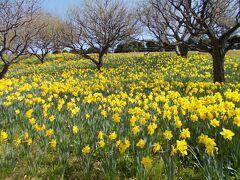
(182, 50)
(218, 56)
(100, 61)
(4, 71)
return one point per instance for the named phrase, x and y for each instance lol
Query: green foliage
(130, 46)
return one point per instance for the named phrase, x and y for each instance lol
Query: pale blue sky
(60, 7)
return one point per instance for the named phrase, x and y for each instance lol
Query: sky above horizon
(60, 7)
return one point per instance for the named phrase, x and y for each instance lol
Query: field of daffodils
(156, 116)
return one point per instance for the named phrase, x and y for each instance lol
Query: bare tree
(99, 25)
(57, 44)
(150, 18)
(16, 31)
(45, 41)
(211, 23)
(166, 26)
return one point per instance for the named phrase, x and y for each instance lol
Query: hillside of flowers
(156, 116)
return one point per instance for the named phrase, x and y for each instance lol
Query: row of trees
(98, 25)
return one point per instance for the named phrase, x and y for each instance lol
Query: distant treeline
(143, 46)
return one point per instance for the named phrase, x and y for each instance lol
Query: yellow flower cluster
(3, 135)
(209, 143)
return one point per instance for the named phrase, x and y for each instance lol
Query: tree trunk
(4, 71)
(182, 50)
(218, 65)
(100, 61)
(41, 59)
